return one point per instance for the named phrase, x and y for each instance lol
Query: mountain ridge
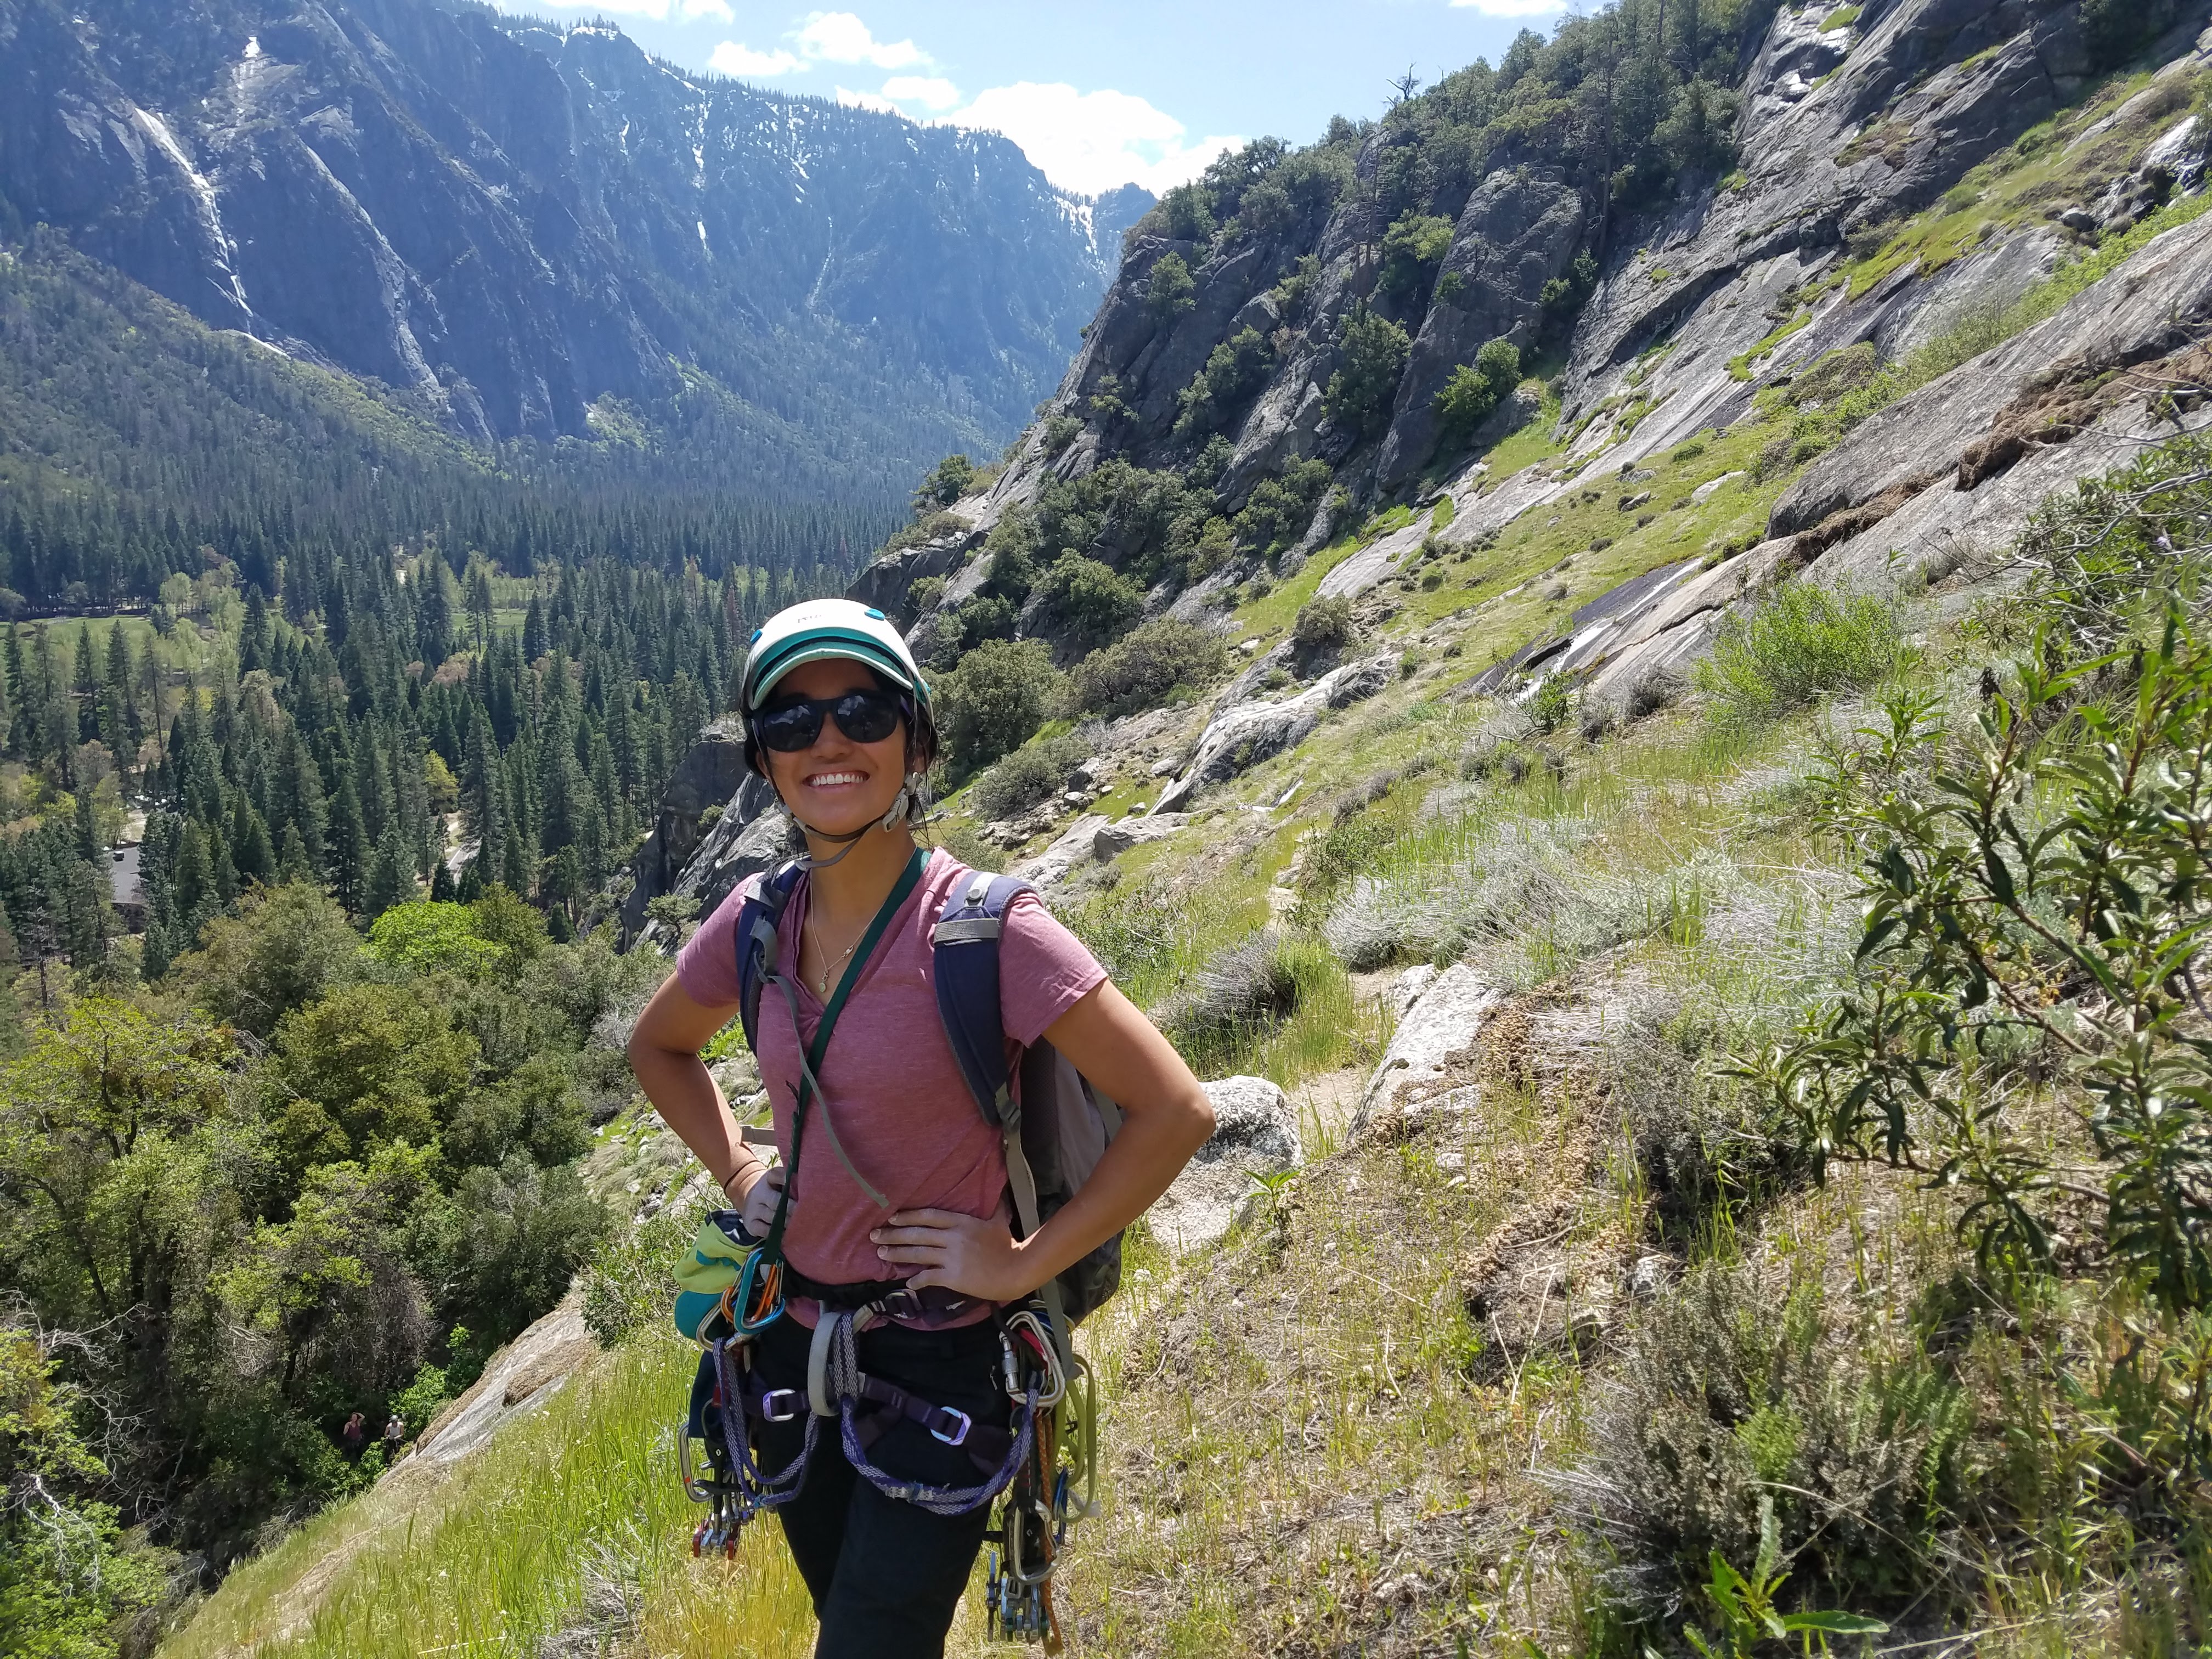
(531, 226)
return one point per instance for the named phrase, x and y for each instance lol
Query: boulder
(1242, 736)
(1115, 839)
(1255, 1132)
(1437, 1031)
(1073, 847)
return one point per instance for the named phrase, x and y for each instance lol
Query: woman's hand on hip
(975, 1255)
(757, 1206)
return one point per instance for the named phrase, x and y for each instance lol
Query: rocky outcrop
(514, 220)
(1519, 230)
(691, 857)
(1437, 1031)
(1256, 1133)
(1240, 736)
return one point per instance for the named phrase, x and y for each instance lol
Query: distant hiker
(354, 1436)
(395, 1431)
(890, 1239)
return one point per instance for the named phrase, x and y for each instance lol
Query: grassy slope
(1320, 1440)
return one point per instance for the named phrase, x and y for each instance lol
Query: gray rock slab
(1256, 1133)
(1440, 1028)
(1074, 846)
(1113, 840)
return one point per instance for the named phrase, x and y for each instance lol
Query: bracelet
(749, 1162)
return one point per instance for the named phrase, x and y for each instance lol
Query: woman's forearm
(683, 1090)
(1143, 1162)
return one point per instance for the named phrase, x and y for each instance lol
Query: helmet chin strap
(844, 843)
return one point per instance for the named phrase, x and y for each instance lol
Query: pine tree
(349, 846)
(391, 879)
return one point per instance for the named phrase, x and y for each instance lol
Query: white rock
(1112, 840)
(1073, 847)
(1402, 996)
(1712, 487)
(2168, 146)
(1255, 1132)
(1440, 1028)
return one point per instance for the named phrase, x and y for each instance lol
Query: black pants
(885, 1576)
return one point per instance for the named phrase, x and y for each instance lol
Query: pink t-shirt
(900, 1104)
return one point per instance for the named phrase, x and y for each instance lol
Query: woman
(838, 720)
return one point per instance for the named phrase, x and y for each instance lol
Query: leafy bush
(1323, 622)
(1474, 390)
(1413, 248)
(1802, 643)
(1170, 291)
(943, 484)
(1281, 507)
(2063, 944)
(1031, 775)
(1092, 599)
(1359, 394)
(989, 704)
(1237, 368)
(1187, 213)
(1146, 667)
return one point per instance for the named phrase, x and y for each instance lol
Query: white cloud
(732, 57)
(1512, 7)
(839, 37)
(930, 93)
(718, 10)
(874, 100)
(1090, 142)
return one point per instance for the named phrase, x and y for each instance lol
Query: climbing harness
(1040, 1469)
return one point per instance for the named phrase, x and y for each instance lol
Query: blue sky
(1146, 91)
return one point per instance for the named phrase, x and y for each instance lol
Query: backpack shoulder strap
(758, 918)
(965, 962)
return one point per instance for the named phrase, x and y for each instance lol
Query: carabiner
(1027, 1322)
(765, 1282)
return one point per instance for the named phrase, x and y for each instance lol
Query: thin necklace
(821, 985)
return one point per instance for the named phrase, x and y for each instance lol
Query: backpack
(1054, 1126)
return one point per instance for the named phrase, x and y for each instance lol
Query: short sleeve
(707, 966)
(1044, 970)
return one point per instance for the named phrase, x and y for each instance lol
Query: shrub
(1030, 775)
(1802, 643)
(1359, 394)
(1059, 431)
(943, 484)
(1723, 1409)
(286, 946)
(1187, 213)
(1172, 290)
(989, 704)
(1474, 390)
(2053, 954)
(1281, 507)
(1323, 622)
(1238, 367)
(1146, 667)
(1093, 599)
(1413, 248)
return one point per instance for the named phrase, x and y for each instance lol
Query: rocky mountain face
(1850, 134)
(530, 226)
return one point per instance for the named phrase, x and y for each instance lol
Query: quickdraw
(1056, 1485)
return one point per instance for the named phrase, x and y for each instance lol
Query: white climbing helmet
(822, 629)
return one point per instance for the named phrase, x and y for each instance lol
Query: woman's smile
(840, 780)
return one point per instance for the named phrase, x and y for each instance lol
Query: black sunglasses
(863, 716)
